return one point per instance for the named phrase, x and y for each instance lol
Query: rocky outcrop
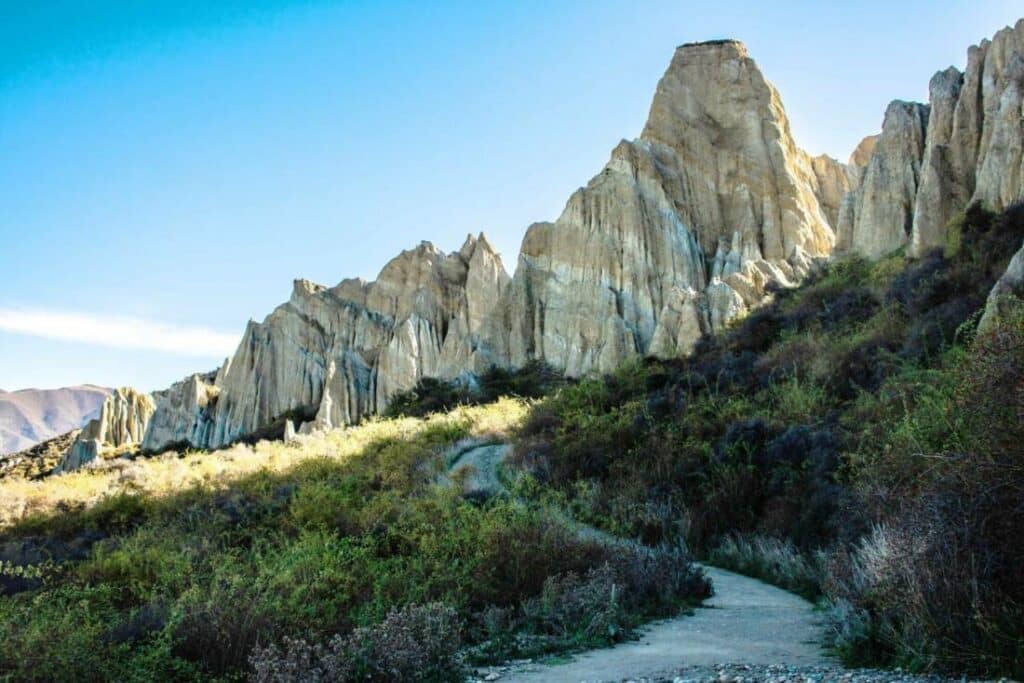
(975, 143)
(123, 421)
(931, 162)
(681, 231)
(862, 154)
(832, 181)
(183, 414)
(1009, 288)
(679, 234)
(876, 218)
(341, 352)
(944, 187)
(82, 452)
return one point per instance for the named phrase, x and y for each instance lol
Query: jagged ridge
(683, 231)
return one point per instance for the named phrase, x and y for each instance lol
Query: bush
(775, 561)
(941, 584)
(415, 642)
(584, 610)
(859, 400)
(432, 395)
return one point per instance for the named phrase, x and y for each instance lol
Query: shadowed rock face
(1010, 285)
(876, 218)
(682, 232)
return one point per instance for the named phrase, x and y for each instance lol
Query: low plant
(415, 642)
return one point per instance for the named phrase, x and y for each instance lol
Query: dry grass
(776, 561)
(172, 472)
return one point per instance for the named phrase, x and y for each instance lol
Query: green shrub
(431, 395)
(941, 584)
(861, 399)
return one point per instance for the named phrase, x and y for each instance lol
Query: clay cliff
(684, 230)
(679, 234)
(122, 422)
(336, 354)
(875, 219)
(972, 150)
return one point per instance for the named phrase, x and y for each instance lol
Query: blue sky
(167, 168)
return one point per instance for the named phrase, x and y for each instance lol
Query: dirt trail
(747, 621)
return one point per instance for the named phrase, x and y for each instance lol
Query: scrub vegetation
(341, 557)
(856, 441)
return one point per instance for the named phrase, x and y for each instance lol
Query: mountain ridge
(31, 416)
(685, 230)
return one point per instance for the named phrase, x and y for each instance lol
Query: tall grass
(773, 560)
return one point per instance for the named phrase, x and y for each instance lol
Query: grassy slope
(182, 568)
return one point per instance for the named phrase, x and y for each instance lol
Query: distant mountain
(30, 416)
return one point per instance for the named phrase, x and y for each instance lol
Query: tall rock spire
(975, 144)
(876, 218)
(715, 197)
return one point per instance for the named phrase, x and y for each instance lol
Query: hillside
(30, 416)
(805, 371)
(854, 441)
(188, 567)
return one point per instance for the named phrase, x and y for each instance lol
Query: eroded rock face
(832, 181)
(975, 143)
(123, 421)
(683, 231)
(1008, 288)
(340, 353)
(683, 228)
(876, 218)
(862, 154)
(680, 234)
(184, 413)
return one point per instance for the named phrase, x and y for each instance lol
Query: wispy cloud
(118, 332)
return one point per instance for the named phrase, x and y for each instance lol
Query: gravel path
(746, 621)
(764, 673)
(749, 632)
